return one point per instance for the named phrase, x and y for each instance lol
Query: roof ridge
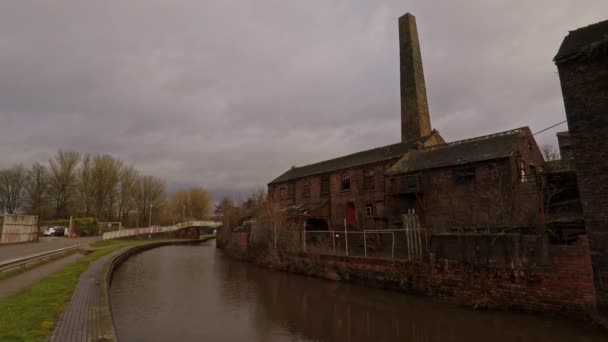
(478, 138)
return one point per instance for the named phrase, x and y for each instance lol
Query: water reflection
(195, 293)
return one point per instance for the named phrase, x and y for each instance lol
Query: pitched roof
(488, 147)
(582, 40)
(352, 160)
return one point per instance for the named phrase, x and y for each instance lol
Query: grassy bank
(30, 315)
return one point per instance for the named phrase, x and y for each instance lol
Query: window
(411, 183)
(368, 179)
(282, 193)
(369, 210)
(380, 208)
(324, 185)
(522, 171)
(291, 190)
(345, 182)
(306, 190)
(532, 169)
(464, 175)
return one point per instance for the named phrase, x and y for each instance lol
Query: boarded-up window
(306, 189)
(324, 185)
(380, 208)
(368, 179)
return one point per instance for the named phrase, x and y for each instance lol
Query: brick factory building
(582, 62)
(486, 182)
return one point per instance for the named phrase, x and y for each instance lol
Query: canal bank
(87, 316)
(560, 285)
(198, 293)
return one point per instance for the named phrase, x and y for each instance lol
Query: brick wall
(564, 286)
(585, 90)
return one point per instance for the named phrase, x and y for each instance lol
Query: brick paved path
(45, 244)
(86, 317)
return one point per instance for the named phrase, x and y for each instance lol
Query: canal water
(195, 293)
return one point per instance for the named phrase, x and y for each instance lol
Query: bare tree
(190, 204)
(105, 174)
(85, 185)
(126, 187)
(12, 186)
(550, 152)
(36, 192)
(149, 193)
(63, 180)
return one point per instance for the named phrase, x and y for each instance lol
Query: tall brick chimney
(415, 119)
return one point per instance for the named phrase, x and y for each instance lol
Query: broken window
(324, 185)
(369, 209)
(368, 179)
(291, 190)
(306, 190)
(464, 175)
(345, 182)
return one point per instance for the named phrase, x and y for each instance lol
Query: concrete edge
(107, 324)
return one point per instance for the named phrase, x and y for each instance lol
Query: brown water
(195, 293)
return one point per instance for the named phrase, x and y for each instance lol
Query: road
(45, 244)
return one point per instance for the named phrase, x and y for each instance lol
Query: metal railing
(24, 261)
(407, 244)
(154, 230)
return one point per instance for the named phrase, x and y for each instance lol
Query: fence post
(333, 240)
(345, 237)
(393, 246)
(364, 243)
(407, 236)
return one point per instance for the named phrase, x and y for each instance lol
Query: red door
(350, 213)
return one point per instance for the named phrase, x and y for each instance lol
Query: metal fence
(408, 244)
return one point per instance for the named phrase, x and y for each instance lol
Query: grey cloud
(228, 94)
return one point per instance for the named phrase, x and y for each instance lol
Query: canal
(195, 293)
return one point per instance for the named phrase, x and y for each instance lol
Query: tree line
(99, 186)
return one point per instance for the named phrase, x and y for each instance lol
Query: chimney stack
(415, 119)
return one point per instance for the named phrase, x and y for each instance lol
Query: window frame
(345, 182)
(369, 179)
(325, 185)
(306, 189)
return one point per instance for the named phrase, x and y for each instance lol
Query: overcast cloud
(229, 94)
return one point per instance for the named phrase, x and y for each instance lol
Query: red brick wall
(339, 199)
(564, 287)
(585, 89)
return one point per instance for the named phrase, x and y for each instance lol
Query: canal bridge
(188, 229)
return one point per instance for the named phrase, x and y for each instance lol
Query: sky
(229, 94)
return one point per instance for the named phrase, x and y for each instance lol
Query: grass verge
(30, 315)
(8, 274)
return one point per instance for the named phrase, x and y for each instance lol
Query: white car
(48, 231)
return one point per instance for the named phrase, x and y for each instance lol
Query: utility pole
(150, 217)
